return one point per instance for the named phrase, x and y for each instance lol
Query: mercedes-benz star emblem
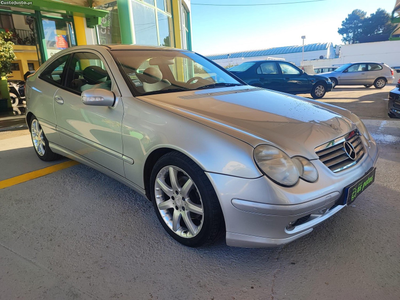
(350, 151)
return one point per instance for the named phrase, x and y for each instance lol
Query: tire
(380, 83)
(40, 142)
(318, 91)
(334, 82)
(14, 100)
(187, 206)
(367, 85)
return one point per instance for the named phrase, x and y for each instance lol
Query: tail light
(391, 70)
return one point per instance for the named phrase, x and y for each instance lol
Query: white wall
(387, 52)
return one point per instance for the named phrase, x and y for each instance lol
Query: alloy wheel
(380, 83)
(179, 202)
(319, 91)
(38, 138)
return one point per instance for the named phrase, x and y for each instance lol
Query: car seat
(95, 77)
(152, 80)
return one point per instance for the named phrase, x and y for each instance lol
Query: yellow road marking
(36, 174)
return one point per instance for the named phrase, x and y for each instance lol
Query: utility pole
(302, 54)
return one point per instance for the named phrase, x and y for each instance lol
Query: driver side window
(287, 69)
(87, 71)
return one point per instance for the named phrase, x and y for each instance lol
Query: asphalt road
(77, 234)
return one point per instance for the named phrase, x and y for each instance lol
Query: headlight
(282, 169)
(276, 164)
(306, 169)
(361, 127)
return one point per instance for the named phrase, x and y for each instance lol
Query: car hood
(257, 116)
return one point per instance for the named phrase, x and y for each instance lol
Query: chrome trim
(335, 155)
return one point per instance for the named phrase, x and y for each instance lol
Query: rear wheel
(318, 91)
(380, 83)
(40, 142)
(185, 201)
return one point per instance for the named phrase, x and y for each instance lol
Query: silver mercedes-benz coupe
(209, 151)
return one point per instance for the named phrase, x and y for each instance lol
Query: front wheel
(185, 201)
(380, 83)
(40, 142)
(318, 91)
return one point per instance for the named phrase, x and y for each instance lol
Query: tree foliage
(357, 26)
(6, 53)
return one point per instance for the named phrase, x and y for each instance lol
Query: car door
(42, 95)
(294, 80)
(269, 76)
(374, 71)
(91, 132)
(354, 74)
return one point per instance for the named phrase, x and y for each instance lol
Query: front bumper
(260, 213)
(329, 86)
(394, 103)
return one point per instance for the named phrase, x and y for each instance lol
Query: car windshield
(342, 68)
(165, 71)
(242, 67)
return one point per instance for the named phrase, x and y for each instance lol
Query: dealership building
(42, 28)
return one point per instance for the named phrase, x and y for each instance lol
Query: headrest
(93, 74)
(150, 75)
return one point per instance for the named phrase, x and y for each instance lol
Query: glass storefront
(108, 31)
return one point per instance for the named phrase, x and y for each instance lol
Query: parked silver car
(362, 73)
(209, 151)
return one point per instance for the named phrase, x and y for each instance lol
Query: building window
(6, 21)
(108, 31)
(153, 22)
(186, 41)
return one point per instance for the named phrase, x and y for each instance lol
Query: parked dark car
(282, 76)
(394, 102)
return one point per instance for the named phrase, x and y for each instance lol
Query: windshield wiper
(219, 84)
(166, 91)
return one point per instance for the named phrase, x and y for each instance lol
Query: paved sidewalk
(13, 120)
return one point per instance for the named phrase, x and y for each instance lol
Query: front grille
(342, 153)
(396, 99)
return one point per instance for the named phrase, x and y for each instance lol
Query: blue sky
(227, 29)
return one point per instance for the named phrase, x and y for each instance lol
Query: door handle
(59, 99)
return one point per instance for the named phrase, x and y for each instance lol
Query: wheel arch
(151, 160)
(29, 117)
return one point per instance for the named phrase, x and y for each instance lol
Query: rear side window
(374, 67)
(268, 68)
(54, 73)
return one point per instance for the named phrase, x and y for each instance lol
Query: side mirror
(98, 97)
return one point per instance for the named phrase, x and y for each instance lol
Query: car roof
(124, 47)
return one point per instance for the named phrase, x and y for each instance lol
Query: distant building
(292, 54)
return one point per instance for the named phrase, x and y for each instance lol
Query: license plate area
(356, 188)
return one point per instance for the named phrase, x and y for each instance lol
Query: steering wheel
(196, 78)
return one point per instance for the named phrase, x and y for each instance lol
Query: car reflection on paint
(211, 152)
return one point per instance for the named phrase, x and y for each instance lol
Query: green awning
(61, 7)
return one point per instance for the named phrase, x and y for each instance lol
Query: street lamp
(302, 54)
